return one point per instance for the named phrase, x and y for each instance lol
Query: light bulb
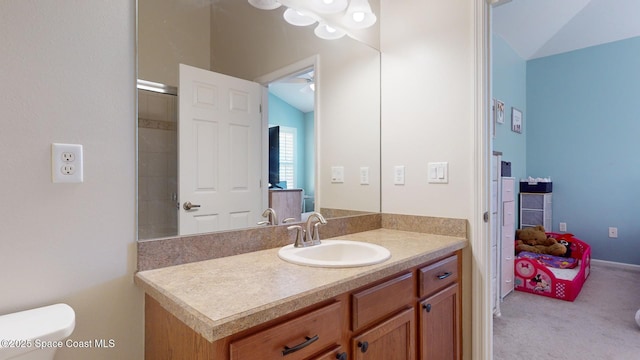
(358, 16)
(326, 32)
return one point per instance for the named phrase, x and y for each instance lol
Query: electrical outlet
(613, 232)
(68, 156)
(66, 163)
(563, 227)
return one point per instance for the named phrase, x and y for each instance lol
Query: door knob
(188, 205)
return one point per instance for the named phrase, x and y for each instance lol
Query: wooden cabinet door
(393, 339)
(439, 333)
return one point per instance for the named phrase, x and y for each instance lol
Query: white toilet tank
(35, 334)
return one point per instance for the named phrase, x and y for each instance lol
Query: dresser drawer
(508, 189)
(379, 301)
(311, 333)
(437, 276)
(508, 213)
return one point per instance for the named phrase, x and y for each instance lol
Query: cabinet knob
(427, 307)
(342, 356)
(363, 345)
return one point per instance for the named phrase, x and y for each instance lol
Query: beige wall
(428, 115)
(163, 22)
(427, 105)
(67, 75)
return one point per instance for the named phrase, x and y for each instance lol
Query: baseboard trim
(617, 265)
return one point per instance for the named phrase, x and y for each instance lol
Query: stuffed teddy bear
(535, 240)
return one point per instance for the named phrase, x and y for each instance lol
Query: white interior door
(219, 137)
(494, 223)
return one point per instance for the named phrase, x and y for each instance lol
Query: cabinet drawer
(311, 332)
(507, 276)
(438, 275)
(379, 301)
(509, 213)
(508, 193)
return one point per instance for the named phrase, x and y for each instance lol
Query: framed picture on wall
(499, 109)
(516, 120)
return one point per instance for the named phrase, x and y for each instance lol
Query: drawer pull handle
(288, 350)
(427, 307)
(445, 275)
(364, 346)
(342, 356)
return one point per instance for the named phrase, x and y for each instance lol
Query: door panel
(220, 157)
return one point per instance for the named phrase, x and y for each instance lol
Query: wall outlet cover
(66, 163)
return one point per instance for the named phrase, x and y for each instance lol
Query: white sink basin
(335, 253)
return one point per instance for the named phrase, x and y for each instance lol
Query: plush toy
(535, 240)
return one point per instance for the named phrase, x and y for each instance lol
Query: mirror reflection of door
(219, 135)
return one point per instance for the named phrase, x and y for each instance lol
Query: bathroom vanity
(257, 306)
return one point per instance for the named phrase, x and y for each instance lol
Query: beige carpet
(598, 325)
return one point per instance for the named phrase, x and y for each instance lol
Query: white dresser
(507, 235)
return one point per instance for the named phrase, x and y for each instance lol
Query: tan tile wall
(157, 165)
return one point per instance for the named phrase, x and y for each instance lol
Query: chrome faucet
(300, 235)
(272, 218)
(312, 234)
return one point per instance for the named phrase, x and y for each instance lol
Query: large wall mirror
(331, 126)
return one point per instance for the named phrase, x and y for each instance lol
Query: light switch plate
(364, 175)
(398, 175)
(438, 172)
(337, 174)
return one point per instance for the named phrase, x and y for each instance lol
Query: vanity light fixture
(334, 17)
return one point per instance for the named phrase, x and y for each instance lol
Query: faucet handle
(315, 235)
(300, 235)
(290, 219)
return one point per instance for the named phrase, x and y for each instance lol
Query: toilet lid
(53, 322)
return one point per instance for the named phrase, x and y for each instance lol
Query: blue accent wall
(581, 121)
(509, 72)
(509, 82)
(584, 131)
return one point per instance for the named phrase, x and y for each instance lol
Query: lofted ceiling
(295, 91)
(538, 28)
